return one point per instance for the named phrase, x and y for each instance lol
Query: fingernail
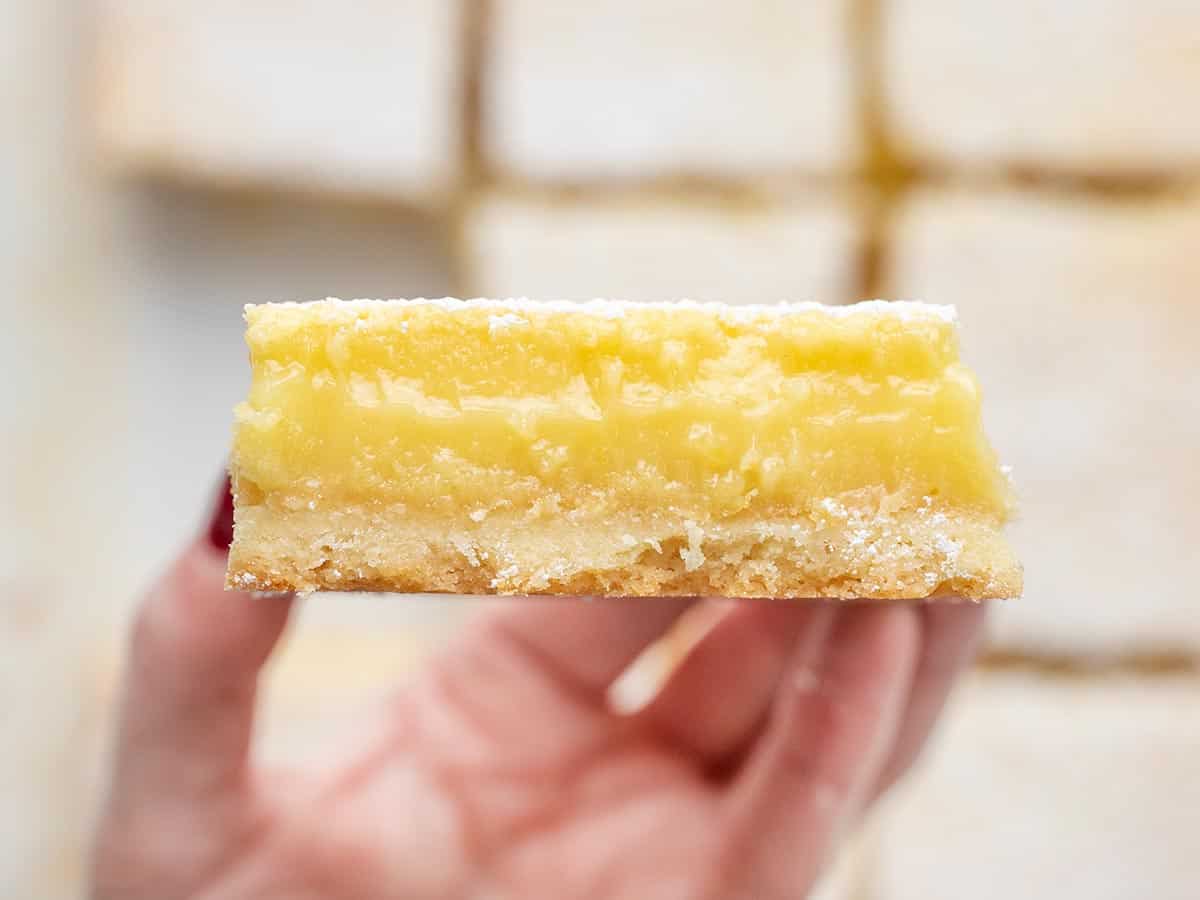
(220, 529)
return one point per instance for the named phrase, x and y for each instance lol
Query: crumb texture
(864, 552)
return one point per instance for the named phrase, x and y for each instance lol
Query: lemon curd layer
(485, 434)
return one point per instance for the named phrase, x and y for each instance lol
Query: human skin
(500, 771)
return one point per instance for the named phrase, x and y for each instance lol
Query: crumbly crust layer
(860, 547)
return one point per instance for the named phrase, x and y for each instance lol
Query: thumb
(195, 654)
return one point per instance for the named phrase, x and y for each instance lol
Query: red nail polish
(220, 529)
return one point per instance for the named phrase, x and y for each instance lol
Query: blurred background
(1038, 164)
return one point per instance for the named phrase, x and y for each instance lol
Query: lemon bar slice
(606, 448)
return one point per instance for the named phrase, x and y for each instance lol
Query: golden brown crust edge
(901, 555)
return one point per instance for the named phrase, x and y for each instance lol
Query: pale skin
(500, 772)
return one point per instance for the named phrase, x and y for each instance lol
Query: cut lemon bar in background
(606, 448)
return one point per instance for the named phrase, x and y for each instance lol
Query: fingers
(531, 680)
(194, 658)
(717, 699)
(831, 729)
(950, 634)
(582, 645)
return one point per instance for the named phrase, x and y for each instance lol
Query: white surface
(359, 96)
(1052, 790)
(626, 88)
(1093, 85)
(1080, 318)
(652, 249)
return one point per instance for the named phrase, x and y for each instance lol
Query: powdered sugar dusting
(503, 322)
(692, 555)
(947, 547)
(505, 573)
(507, 311)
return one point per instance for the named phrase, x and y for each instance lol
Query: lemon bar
(1113, 749)
(608, 448)
(1107, 77)
(377, 117)
(573, 94)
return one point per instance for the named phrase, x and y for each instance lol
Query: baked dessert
(230, 94)
(1088, 96)
(1112, 773)
(575, 92)
(606, 448)
(802, 243)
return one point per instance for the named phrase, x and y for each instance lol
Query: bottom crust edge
(839, 553)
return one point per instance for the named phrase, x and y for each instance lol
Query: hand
(501, 773)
